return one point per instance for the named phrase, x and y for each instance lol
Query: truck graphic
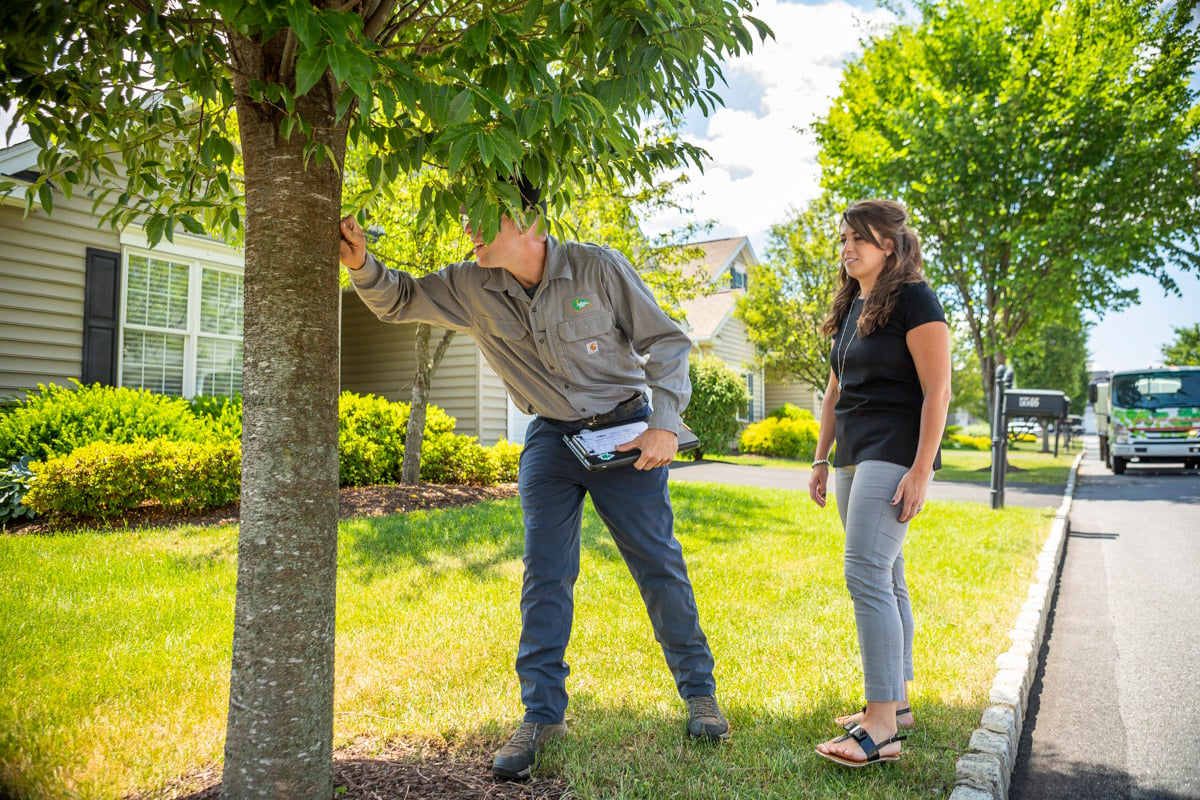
(1148, 416)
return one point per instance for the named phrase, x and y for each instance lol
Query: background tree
(1185, 349)
(402, 240)
(1047, 150)
(1056, 359)
(788, 296)
(137, 101)
(966, 381)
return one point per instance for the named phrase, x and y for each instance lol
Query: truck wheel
(1118, 465)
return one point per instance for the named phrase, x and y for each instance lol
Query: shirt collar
(557, 266)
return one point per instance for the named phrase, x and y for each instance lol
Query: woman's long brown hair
(889, 220)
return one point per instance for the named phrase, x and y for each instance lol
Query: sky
(763, 158)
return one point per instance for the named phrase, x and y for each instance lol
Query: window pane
(157, 293)
(152, 361)
(218, 367)
(221, 302)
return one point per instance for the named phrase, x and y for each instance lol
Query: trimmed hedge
(783, 437)
(55, 420)
(103, 480)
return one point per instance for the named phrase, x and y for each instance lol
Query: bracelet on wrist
(820, 461)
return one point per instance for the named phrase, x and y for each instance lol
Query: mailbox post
(1004, 378)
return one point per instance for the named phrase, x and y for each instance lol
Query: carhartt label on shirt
(593, 348)
(580, 303)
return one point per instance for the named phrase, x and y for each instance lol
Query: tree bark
(279, 736)
(414, 434)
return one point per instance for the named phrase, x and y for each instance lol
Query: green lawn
(1027, 464)
(115, 674)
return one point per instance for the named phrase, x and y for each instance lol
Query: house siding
(380, 358)
(42, 276)
(733, 346)
(797, 394)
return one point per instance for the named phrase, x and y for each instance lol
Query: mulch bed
(367, 769)
(353, 501)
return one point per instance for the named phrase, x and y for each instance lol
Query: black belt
(625, 409)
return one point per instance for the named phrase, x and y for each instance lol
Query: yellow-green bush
(104, 479)
(958, 441)
(785, 437)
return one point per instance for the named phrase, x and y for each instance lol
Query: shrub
(224, 414)
(56, 420)
(102, 480)
(958, 441)
(781, 437)
(15, 481)
(506, 457)
(791, 411)
(448, 458)
(718, 394)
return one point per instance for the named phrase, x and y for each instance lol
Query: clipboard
(595, 447)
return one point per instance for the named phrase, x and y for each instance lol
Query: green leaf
(46, 197)
(460, 107)
(304, 21)
(310, 67)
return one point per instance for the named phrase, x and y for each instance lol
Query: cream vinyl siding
(380, 358)
(797, 394)
(731, 344)
(42, 271)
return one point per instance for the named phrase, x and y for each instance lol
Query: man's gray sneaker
(515, 760)
(705, 720)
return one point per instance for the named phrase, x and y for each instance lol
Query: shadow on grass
(479, 539)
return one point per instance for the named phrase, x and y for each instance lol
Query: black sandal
(899, 711)
(860, 735)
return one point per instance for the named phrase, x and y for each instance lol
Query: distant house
(79, 300)
(715, 330)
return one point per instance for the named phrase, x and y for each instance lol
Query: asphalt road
(1115, 709)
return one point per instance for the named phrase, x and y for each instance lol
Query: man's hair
(531, 196)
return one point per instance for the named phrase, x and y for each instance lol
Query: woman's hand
(817, 483)
(910, 494)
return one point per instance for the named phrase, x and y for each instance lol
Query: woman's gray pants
(875, 575)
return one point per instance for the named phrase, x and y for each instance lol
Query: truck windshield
(1152, 390)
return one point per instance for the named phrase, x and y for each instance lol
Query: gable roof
(707, 315)
(17, 163)
(718, 255)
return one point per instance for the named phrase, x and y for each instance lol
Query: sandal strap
(870, 748)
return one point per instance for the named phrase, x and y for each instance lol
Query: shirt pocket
(589, 326)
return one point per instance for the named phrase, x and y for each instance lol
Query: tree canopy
(1184, 350)
(1046, 149)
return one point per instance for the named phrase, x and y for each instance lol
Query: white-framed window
(747, 412)
(181, 317)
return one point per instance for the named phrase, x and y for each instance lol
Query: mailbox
(1036, 403)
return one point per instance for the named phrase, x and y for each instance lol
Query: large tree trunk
(279, 737)
(414, 434)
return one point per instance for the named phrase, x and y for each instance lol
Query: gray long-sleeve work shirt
(591, 336)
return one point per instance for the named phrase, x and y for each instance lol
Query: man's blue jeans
(636, 507)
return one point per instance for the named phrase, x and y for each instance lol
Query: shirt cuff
(665, 418)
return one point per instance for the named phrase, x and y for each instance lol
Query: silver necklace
(846, 347)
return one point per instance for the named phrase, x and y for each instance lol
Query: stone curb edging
(985, 770)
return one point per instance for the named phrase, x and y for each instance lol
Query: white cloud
(765, 161)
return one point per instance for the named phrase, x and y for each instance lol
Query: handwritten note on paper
(606, 440)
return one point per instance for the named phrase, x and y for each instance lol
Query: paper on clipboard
(605, 440)
(596, 448)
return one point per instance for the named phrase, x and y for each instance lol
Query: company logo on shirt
(593, 347)
(580, 303)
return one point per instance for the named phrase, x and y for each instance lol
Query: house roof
(707, 315)
(718, 253)
(17, 162)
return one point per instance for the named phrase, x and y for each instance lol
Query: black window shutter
(101, 313)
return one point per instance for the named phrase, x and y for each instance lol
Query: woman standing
(885, 405)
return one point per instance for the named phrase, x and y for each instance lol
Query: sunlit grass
(117, 647)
